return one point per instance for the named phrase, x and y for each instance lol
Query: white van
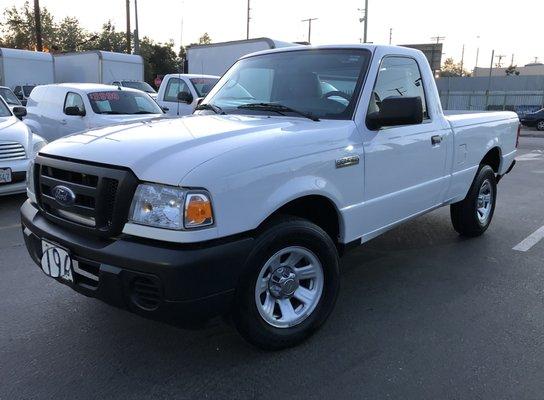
(54, 111)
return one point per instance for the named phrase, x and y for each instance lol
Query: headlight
(30, 176)
(170, 207)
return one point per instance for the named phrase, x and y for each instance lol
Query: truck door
(73, 123)
(170, 100)
(405, 166)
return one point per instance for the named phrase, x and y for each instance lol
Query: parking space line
(530, 240)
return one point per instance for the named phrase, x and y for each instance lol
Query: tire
(472, 216)
(540, 125)
(261, 314)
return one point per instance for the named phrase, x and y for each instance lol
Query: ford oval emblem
(63, 195)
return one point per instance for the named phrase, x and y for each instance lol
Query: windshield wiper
(278, 108)
(213, 107)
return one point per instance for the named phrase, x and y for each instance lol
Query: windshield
(123, 102)
(10, 98)
(143, 86)
(4, 110)
(203, 86)
(28, 89)
(321, 83)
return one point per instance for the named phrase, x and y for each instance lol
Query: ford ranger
(244, 209)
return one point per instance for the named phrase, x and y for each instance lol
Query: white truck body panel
(23, 67)
(98, 67)
(217, 58)
(253, 165)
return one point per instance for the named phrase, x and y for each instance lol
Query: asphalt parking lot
(422, 314)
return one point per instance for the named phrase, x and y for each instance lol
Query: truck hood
(166, 150)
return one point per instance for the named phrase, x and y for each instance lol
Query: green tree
(71, 35)
(204, 39)
(18, 28)
(512, 70)
(108, 39)
(159, 58)
(451, 68)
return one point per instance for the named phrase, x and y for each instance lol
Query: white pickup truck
(179, 94)
(245, 208)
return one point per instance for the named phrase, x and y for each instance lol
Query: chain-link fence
(520, 102)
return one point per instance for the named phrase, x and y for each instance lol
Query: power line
(309, 20)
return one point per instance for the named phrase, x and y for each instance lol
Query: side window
(175, 86)
(74, 100)
(398, 76)
(18, 92)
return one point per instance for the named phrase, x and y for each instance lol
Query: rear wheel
(540, 125)
(290, 285)
(472, 216)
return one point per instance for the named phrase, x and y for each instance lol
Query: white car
(18, 145)
(246, 207)
(139, 85)
(179, 94)
(54, 111)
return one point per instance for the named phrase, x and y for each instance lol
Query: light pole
(309, 20)
(364, 19)
(136, 31)
(38, 23)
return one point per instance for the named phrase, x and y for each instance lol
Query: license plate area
(56, 261)
(5, 175)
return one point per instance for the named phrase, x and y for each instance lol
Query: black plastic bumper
(176, 283)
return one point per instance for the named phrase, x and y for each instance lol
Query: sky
(507, 27)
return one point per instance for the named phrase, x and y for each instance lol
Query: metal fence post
(470, 101)
(504, 102)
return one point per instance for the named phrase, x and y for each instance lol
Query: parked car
(9, 97)
(18, 145)
(246, 207)
(179, 94)
(54, 111)
(534, 119)
(23, 92)
(139, 85)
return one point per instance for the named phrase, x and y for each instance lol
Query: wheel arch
(492, 158)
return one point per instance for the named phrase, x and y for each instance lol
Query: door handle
(436, 139)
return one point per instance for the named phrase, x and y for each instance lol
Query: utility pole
(129, 50)
(489, 79)
(462, 59)
(364, 19)
(38, 23)
(499, 63)
(390, 35)
(438, 39)
(136, 31)
(309, 21)
(512, 61)
(477, 54)
(248, 18)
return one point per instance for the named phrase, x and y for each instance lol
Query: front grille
(12, 151)
(102, 194)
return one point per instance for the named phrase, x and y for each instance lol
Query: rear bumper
(189, 282)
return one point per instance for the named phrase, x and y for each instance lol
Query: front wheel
(540, 125)
(472, 216)
(290, 285)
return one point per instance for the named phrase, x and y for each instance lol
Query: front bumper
(180, 283)
(18, 171)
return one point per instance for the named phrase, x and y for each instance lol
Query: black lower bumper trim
(171, 282)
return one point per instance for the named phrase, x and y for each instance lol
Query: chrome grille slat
(12, 151)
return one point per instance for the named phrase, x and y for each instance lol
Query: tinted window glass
(398, 76)
(143, 86)
(123, 102)
(10, 98)
(203, 85)
(27, 90)
(74, 100)
(323, 83)
(4, 110)
(175, 86)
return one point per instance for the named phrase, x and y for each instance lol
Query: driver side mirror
(19, 112)
(74, 111)
(185, 97)
(395, 111)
